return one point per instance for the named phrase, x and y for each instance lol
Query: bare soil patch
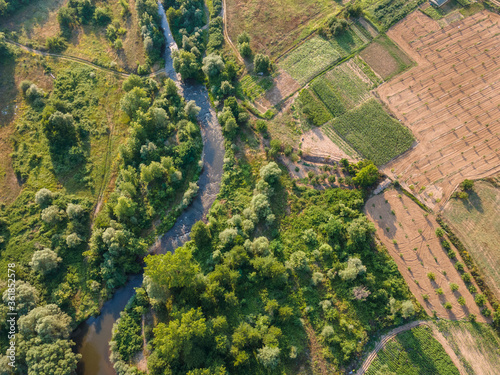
(274, 25)
(380, 60)
(410, 239)
(476, 221)
(450, 102)
(283, 86)
(315, 143)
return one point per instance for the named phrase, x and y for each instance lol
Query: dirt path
(389, 336)
(78, 60)
(226, 34)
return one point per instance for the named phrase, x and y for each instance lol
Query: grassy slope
(477, 223)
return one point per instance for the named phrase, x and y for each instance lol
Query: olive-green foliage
(261, 63)
(233, 297)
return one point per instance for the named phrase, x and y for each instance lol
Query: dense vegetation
(70, 261)
(239, 296)
(413, 352)
(8, 6)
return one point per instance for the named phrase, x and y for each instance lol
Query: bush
(51, 214)
(461, 301)
(431, 276)
(440, 232)
(453, 287)
(447, 306)
(245, 49)
(459, 266)
(43, 197)
(261, 126)
(102, 16)
(466, 278)
(243, 38)
(467, 184)
(480, 299)
(56, 44)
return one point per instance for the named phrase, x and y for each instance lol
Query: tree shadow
(474, 202)
(8, 90)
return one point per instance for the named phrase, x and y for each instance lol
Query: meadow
(476, 221)
(414, 352)
(372, 132)
(313, 108)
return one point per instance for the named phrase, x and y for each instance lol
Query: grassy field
(414, 352)
(36, 22)
(316, 54)
(272, 29)
(372, 132)
(26, 151)
(343, 88)
(476, 221)
(477, 345)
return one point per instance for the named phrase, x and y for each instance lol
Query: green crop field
(254, 86)
(372, 132)
(328, 96)
(316, 54)
(353, 87)
(386, 13)
(313, 108)
(413, 352)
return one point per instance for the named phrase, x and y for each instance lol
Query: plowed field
(410, 238)
(450, 102)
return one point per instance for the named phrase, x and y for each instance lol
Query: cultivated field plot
(385, 58)
(476, 345)
(414, 352)
(450, 102)
(274, 25)
(316, 54)
(372, 132)
(476, 222)
(409, 236)
(316, 112)
(384, 13)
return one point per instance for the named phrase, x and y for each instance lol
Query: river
(92, 337)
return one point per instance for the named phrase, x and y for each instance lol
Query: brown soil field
(379, 60)
(409, 236)
(450, 102)
(476, 221)
(316, 143)
(274, 25)
(283, 86)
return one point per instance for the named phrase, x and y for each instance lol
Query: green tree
(44, 261)
(245, 49)
(125, 208)
(213, 65)
(43, 197)
(186, 64)
(261, 63)
(60, 129)
(367, 176)
(270, 173)
(136, 99)
(467, 184)
(47, 323)
(52, 358)
(269, 356)
(26, 297)
(201, 235)
(353, 269)
(243, 38)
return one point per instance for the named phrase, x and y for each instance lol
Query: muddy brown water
(92, 336)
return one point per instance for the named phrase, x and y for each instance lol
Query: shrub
(56, 44)
(73, 240)
(103, 16)
(453, 287)
(461, 301)
(467, 184)
(459, 266)
(425, 297)
(466, 278)
(270, 173)
(440, 232)
(431, 276)
(268, 356)
(447, 305)
(439, 291)
(51, 215)
(245, 49)
(261, 126)
(486, 312)
(74, 211)
(243, 38)
(353, 269)
(480, 299)
(472, 288)
(43, 197)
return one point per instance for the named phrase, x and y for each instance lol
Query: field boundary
(436, 334)
(385, 339)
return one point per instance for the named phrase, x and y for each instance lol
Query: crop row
(328, 96)
(413, 352)
(373, 133)
(313, 108)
